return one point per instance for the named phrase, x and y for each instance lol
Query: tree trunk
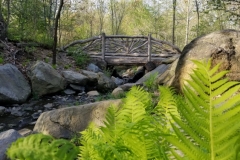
(174, 19)
(187, 22)
(55, 33)
(197, 8)
(3, 26)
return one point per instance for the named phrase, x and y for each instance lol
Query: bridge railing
(121, 49)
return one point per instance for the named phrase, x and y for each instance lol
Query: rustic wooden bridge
(125, 50)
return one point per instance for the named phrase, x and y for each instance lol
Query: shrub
(39, 146)
(201, 124)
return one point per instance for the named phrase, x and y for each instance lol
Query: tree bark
(174, 20)
(54, 53)
(197, 8)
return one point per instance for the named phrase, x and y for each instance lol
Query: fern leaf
(39, 146)
(209, 116)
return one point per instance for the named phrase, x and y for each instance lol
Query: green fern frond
(209, 116)
(39, 146)
(129, 133)
(166, 106)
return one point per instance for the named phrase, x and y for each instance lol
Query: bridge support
(149, 47)
(103, 46)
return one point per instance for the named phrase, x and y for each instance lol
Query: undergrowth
(203, 123)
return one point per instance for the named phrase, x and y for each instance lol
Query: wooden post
(149, 47)
(103, 46)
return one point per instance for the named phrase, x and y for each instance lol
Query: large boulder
(168, 76)
(65, 122)
(105, 83)
(221, 46)
(45, 79)
(159, 70)
(6, 138)
(14, 88)
(74, 77)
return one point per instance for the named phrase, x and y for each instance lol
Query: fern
(209, 123)
(39, 146)
(129, 133)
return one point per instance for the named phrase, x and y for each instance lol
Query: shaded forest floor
(24, 55)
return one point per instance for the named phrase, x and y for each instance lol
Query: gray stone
(17, 111)
(117, 81)
(117, 92)
(25, 132)
(92, 77)
(168, 76)
(170, 59)
(92, 67)
(77, 87)
(65, 122)
(6, 138)
(14, 88)
(128, 86)
(93, 93)
(69, 91)
(45, 79)
(221, 47)
(105, 83)
(74, 77)
(2, 110)
(159, 70)
(48, 105)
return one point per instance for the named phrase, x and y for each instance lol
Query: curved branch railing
(115, 48)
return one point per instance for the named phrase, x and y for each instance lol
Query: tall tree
(174, 21)
(54, 51)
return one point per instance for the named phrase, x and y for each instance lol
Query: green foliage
(209, 124)
(150, 83)
(80, 57)
(1, 60)
(30, 50)
(129, 133)
(201, 124)
(39, 146)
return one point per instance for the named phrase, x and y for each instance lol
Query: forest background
(176, 21)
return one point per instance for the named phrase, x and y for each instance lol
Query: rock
(17, 111)
(2, 126)
(92, 67)
(74, 77)
(91, 75)
(128, 73)
(14, 88)
(93, 93)
(6, 138)
(159, 70)
(24, 122)
(139, 74)
(118, 81)
(168, 76)
(105, 83)
(150, 66)
(170, 59)
(45, 79)
(128, 86)
(69, 92)
(49, 105)
(2, 110)
(65, 122)
(92, 79)
(221, 46)
(117, 92)
(35, 115)
(77, 87)
(25, 132)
